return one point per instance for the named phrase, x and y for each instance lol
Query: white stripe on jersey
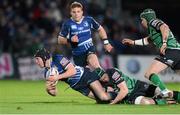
(85, 42)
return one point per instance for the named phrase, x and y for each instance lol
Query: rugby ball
(52, 72)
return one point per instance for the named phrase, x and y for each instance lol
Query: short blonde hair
(76, 4)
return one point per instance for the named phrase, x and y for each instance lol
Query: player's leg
(94, 64)
(141, 100)
(93, 61)
(80, 60)
(176, 96)
(151, 74)
(99, 92)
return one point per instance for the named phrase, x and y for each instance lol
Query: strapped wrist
(105, 41)
(164, 41)
(140, 42)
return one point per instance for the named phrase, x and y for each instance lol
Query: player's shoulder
(67, 22)
(88, 17)
(57, 56)
(155, 21)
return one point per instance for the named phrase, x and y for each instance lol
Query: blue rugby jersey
(60, 62)
(83, 30)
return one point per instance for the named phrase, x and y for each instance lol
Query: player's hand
(74, 39)
(53, 78)
(127, 41)
(112, 102)
(163, 49)
(51, 88)
(108, 47)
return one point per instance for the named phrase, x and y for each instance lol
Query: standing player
(77, 32)
(79, 78)
(132, 91)
(161, 36)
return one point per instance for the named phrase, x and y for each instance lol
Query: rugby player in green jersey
(133, 91)
(161, 36)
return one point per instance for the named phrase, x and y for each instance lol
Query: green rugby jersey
(119, 77)
(156, 36)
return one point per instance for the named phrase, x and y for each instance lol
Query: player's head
(111, 71)
(76, 10)
(41, 56)
(148, 14)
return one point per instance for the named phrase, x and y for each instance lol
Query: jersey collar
(78, 21)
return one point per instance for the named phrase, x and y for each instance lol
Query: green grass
(30, 97)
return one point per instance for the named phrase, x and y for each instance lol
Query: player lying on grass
(161, 36)
(134, 91)
(58, 67)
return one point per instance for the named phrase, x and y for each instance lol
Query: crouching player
(79, 78)
(134, 91)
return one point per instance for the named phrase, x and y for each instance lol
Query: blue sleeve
(64, 61)
(94, 24)
(64, 30)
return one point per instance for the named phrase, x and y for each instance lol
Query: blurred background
(27, 25)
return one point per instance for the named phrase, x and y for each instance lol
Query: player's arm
(70, 71)
(102, 33)
(69, 68)
(164, 28)
(165, 33)
(160, 25)
(122, 93)
(62, 40)
(63, 34)
(103, 36)
(141, 42)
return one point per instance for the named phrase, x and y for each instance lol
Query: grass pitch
(30, 97)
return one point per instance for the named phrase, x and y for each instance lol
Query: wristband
(105, 41)
(141, 42)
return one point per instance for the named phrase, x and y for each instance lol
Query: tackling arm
(122, 93)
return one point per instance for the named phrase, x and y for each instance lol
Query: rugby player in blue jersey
(77, 32)
(79, 78)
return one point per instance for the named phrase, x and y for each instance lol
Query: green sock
(156, 81)
(161, 101)
(176, 96)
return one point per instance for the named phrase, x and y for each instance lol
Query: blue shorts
(81, 60)
(87, 78)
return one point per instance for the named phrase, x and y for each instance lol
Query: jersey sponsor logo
(81, 31)
(85, 24)
(80, 28)
(64, 61)
(73, 26)
(116, 76)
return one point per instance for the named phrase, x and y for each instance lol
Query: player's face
(144, 22)
(39, 62)
(76, 13)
